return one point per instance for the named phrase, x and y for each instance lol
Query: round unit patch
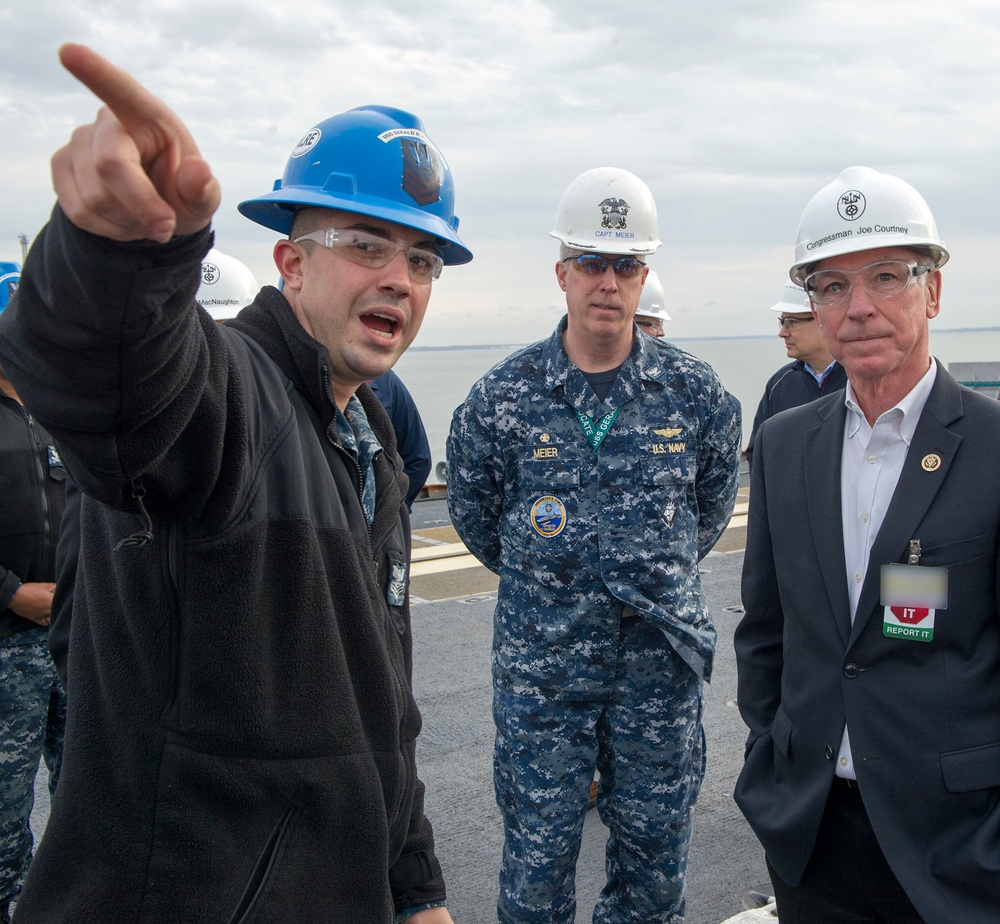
(548, 516)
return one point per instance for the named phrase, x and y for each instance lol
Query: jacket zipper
(359, 488)
(40, 475)
(359, 483)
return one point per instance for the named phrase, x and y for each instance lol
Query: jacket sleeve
(415, 878)
(763, 412)
(411, 439)
(759, 635)
(475, 478)
(10, 583)
(107, 347)
(718, 472)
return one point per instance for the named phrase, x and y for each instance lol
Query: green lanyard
(595, 433)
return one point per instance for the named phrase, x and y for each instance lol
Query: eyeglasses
(791, 323)
(593, 264)
(653, 326)
(372, 251)
(880, 280)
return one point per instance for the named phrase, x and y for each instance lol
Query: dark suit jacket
(924, 717)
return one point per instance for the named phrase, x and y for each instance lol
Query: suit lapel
(916, 489)
(822, 457)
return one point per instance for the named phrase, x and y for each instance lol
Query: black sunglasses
(593, 264)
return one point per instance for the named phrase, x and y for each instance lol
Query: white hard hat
(793, 298)
(608, 210)
(864, 210)
(227, 286)
(652, 303)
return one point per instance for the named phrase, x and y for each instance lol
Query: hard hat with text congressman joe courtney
(863, 209)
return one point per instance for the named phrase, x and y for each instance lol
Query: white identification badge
(911, 595)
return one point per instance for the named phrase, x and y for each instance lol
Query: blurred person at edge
(869, 652)
(240, 646)
(32, 701)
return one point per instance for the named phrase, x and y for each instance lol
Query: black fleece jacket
(240, 741)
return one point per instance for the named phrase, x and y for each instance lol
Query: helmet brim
(276, 210)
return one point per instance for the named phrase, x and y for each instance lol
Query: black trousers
(848, 880)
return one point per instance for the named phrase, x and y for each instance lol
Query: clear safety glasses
(372, 251)
(593, 264)
(880, 280)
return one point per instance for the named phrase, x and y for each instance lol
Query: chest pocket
(549, 469)
(671, 507)
(668, 470)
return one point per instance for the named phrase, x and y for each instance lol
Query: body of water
(440, 379)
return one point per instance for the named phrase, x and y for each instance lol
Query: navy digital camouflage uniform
(583, 543)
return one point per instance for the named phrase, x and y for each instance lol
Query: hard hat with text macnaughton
(227, 285)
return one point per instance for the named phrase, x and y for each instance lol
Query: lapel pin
(931, 462)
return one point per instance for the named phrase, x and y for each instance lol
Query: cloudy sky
(734, 112)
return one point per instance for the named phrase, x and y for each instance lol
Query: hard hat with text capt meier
(608, 210)
(864, 210)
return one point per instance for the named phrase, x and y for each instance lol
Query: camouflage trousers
(32, 723)
(645, 736)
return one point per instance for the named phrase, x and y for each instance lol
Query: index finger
(128, 99)
(173, 178)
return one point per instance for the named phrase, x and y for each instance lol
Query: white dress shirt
(871, 461)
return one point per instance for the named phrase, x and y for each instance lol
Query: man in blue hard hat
(241, 746)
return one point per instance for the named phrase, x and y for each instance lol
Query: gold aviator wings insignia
(669, 432)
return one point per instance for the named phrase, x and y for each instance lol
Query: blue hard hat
(10, 278)
(375, 161)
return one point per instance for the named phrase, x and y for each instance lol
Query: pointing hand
(135, 172)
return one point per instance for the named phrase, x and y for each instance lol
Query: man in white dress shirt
(869, 655)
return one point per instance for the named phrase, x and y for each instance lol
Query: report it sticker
(914, 623)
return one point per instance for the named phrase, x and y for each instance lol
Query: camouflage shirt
(576, 535)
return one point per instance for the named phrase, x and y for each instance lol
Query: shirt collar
(818, 376)
(908, 409)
